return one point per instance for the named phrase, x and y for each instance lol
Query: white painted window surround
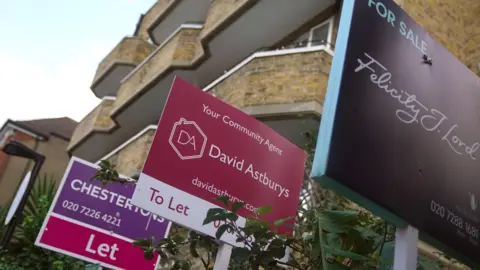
(318, 35)
(4, 136)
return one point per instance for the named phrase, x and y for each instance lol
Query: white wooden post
(406, 241)
(223, 257)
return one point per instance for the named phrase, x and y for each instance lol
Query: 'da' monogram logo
(187, 139)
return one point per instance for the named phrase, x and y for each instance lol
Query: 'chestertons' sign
(204, 148)
(97, 223)
(401, 132)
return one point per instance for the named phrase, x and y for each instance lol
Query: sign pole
(223, 257)
(406, 240)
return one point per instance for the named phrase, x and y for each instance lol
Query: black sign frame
(400, 130)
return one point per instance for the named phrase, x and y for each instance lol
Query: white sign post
(223, 257)
(406, 241)
(18, 198)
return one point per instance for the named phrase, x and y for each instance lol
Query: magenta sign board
(204, 148)
(102, 209)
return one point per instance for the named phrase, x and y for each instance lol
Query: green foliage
(179, 251)
(330, 232)
(22, 253)
(108, 175)
(336, 238)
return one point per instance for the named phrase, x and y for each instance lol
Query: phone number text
(454, 219)
(92, 213)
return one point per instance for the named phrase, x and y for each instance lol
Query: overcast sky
(50, 49)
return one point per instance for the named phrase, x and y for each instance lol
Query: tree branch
(239, 233)
(288, 264)
(205, 264)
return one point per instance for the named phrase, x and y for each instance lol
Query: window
(318, 35)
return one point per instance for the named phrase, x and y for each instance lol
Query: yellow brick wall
(443, 20)
(453, 23)
(129, 50)
(103, 120)
(188, 45)
(130, 159)
(279, 79)
(472, 30)
(152, 14)
(181, 48)
(97, 119)
(219, 11)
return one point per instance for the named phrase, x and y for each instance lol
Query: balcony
(98, 120)
(284, 88)
(179, 51)
(117, 64)
(167, 15)
(233, 31)
(130, 156)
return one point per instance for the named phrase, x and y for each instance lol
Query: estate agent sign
(98, 223)
(204, 148)
(401, 125)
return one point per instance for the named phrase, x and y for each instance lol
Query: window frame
(329, 35)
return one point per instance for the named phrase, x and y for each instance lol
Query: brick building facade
(272, 65)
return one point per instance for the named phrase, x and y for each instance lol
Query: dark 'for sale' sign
(401, 125)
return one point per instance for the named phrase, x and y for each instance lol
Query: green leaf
(237, 205)
(148, 254)
(317, 244)
(143, 242)
(338, 266)
(224, 199)
(281, 221)
(178, 239)
(221, 230)
(214, 214)
(277, 242)
(343, 253)
(163, 241)
(386, 258)
(193, 235)
(427, 264)
(277, 248)
(262, 210)
(338, 221)
(185, 265)
(193, 249)
(240, 255)
(232, 216)
(333, 240)
(353, 237)
(162, 254)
